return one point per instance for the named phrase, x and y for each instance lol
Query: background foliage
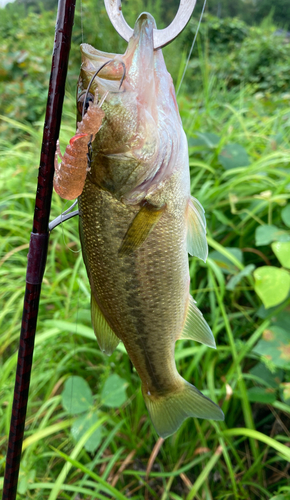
(87, 432)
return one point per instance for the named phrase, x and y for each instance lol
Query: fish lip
(145, 19)
(139, 57)
(94, 54)
(143, 29)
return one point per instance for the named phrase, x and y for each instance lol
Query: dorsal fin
(196, 230)
(195, 326)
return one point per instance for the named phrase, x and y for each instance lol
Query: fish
(138, 223)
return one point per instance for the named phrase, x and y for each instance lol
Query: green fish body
(137, 224)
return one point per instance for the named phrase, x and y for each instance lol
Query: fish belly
(142, 295)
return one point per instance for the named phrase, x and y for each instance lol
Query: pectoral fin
(196, 230)
(140, 228)
(195, 326)
(106, 338)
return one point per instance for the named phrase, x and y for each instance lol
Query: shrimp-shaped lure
(70, 174)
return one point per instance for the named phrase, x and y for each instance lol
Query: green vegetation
(239, 54)
(88, 434)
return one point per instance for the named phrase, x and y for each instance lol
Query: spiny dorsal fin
(106, 338)
(196, 230)
(140, 228)
(195, 326)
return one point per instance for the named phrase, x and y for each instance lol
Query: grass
(247, 455)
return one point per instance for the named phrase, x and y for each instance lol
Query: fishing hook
(67, 214)
(94, 76)
(160, 37)
(104, 97)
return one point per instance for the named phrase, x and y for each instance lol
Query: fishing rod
(38, 243)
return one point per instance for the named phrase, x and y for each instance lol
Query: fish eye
(80, 101)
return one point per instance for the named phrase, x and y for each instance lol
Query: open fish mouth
(138, 58)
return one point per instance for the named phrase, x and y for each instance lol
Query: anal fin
(106, 338)
(140, 228)
(196, 230)
(195, 326)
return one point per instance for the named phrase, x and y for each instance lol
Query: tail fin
(168, 412)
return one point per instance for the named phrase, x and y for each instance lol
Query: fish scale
(135, 292)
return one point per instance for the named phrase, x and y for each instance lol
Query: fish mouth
(145, 23)
(138, 56)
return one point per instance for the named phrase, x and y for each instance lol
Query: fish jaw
(139, 61)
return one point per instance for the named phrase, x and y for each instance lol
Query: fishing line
(191, 48)
(82, 26)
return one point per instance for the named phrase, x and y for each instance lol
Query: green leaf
(207, 139)
(222, 218)
(267, 233)
(114, 391)
(282, 319)
(285, 214)
(224, 263)
(277, 140)
(263, 313)
(66, 326)
(235, 280)
(286, 392)
(272, 285)
(25, 477)
(82, 425)
(22, 485)
(264, 438)
(261, 395)
(280, 497)
(270, 379)
(282, 252)
(275, 346)
(233, 156)
(77, 396)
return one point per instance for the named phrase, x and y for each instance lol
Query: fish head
(135, 142)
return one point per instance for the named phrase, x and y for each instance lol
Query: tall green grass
(246, 456)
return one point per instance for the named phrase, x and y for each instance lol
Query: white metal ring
(160, 37)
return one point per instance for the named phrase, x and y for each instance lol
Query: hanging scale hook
(160, 37)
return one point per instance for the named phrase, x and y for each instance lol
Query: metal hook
(67, 214)
(94, 76)
(160, 37)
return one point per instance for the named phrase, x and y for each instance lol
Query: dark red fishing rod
(38, 242)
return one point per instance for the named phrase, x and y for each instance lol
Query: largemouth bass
(138, 223)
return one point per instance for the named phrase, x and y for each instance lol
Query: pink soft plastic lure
(70, 174)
